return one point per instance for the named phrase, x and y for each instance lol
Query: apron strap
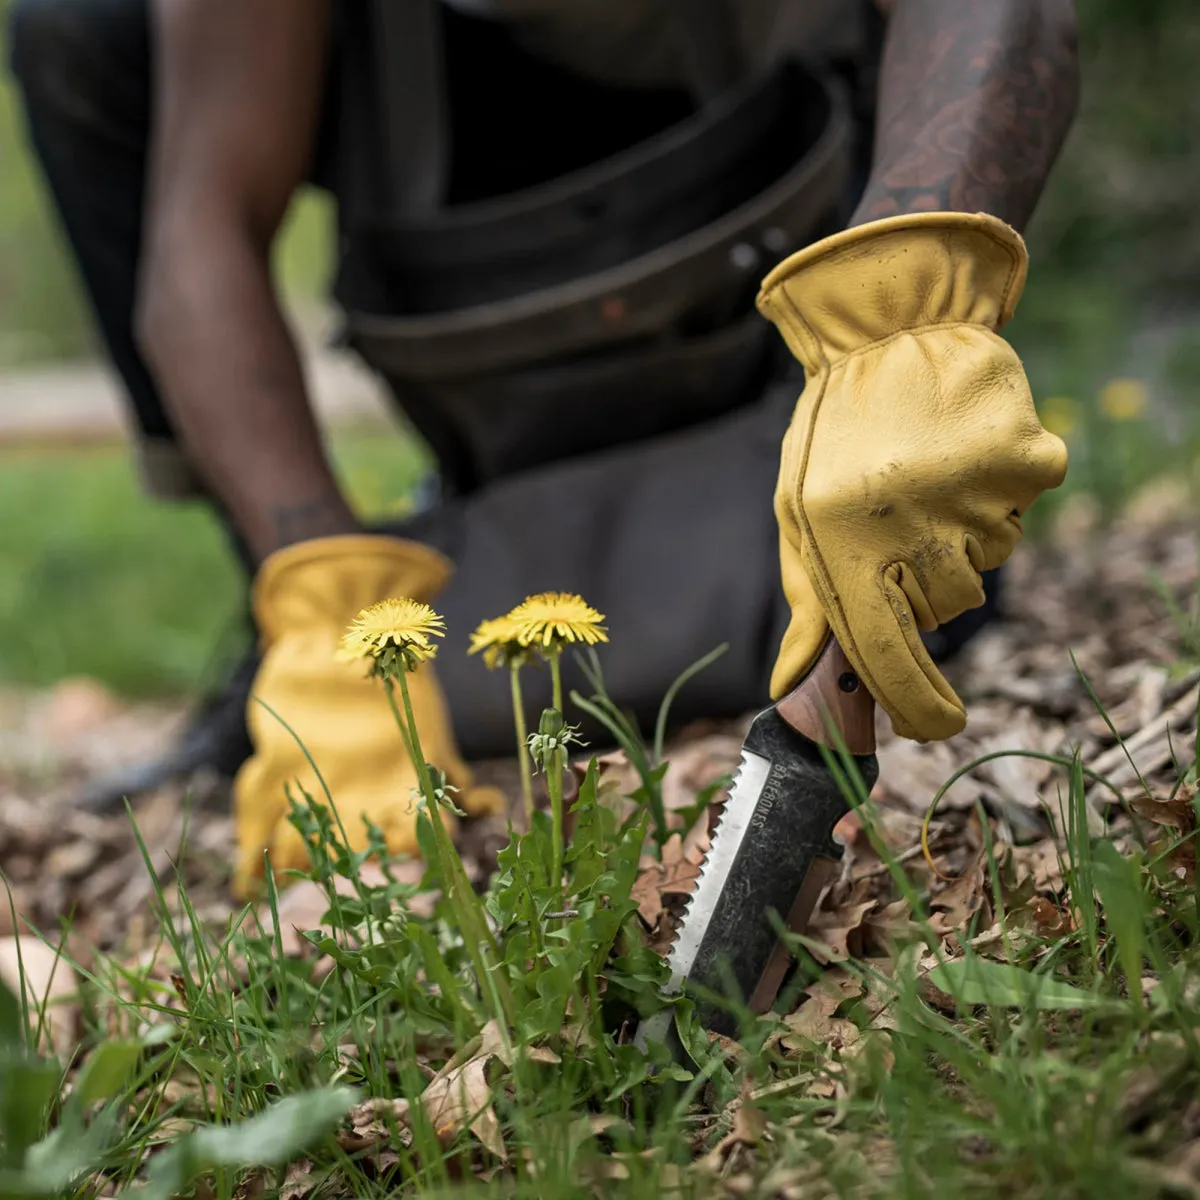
(708, 36)
(413, 119)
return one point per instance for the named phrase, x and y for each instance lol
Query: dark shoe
(214, 739)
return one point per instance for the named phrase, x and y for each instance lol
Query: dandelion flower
(393, 632)
(497, 640)
(1060, 415)
(1123, 399)
(551, 620)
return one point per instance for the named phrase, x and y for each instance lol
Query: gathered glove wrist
(913, 452)
(305, 597)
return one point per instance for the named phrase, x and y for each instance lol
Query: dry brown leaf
(1175, 814)
(749, 1129)
(298, 1180)
(251, 1188)
(839, 982)
(377, 1121)
(961, 900)
(1048, 919)
(839, 929)
(1172, 811)
(679, 879)
(460, 1096)
(648, 895)
(814, 1022)
(883, 927)
(1042, 861)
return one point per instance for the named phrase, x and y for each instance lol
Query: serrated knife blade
(773, 850)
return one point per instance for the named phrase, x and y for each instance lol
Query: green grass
(1031, 1064)
(98, 579)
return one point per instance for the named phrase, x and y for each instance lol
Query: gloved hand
(913, 452)
(305, 597)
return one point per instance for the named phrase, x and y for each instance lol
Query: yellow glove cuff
(904, 273)
(329, 580)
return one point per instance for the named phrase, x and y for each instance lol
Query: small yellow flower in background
(1123, 399)
(550, 620)
(1060, 415)
(497, 640)
(393, 631)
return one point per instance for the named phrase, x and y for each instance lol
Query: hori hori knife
(773, 851)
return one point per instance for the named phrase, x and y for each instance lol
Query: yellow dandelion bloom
(1060, 415)
(1123, 399)
(497, 641)
(552, 619)
(404, 627)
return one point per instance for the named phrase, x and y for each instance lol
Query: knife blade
(773, 850)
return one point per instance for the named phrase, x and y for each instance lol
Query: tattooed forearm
(976, 97)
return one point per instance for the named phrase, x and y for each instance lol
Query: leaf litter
(1100, 601)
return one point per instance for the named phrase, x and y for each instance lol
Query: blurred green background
(97, 580)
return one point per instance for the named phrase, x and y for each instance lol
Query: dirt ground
(1096, 595)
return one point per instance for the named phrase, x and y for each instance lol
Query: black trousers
(672, 537)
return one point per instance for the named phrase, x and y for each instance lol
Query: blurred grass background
(95, 579)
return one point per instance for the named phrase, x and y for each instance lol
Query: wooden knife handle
(832, 692)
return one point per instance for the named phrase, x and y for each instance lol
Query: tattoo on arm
(976, 97)
(325, 515)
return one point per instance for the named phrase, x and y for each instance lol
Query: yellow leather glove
(912, 453)
(305, 597)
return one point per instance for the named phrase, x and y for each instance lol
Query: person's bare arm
(236, 109)
(976, 97)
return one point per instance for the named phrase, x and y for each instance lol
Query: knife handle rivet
(848, 681)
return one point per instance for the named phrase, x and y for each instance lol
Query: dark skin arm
(975, 100)
(236, 110)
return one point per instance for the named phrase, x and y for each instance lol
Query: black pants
(672, 537)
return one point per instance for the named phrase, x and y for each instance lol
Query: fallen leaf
(298, 1180)
(1049, 921)
(749, 1129)
(1041, 861)
(814, 1023)
(839, 929)
(648, 895)
(377, 1121)
(460, 1097)
(679, 879)
(965, 897)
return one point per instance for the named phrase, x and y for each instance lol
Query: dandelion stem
(556, 679)
(477, 936)
(518, 704)
(554, 777)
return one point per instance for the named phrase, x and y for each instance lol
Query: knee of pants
(70, 56)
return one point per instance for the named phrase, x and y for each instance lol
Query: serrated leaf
(270, 1139)
(1001, 985)
(56, 1163)
(1118, 880)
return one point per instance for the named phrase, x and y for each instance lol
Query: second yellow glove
(913, 452)
(305, 597)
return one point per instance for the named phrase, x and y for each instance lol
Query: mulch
(1094, 615)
